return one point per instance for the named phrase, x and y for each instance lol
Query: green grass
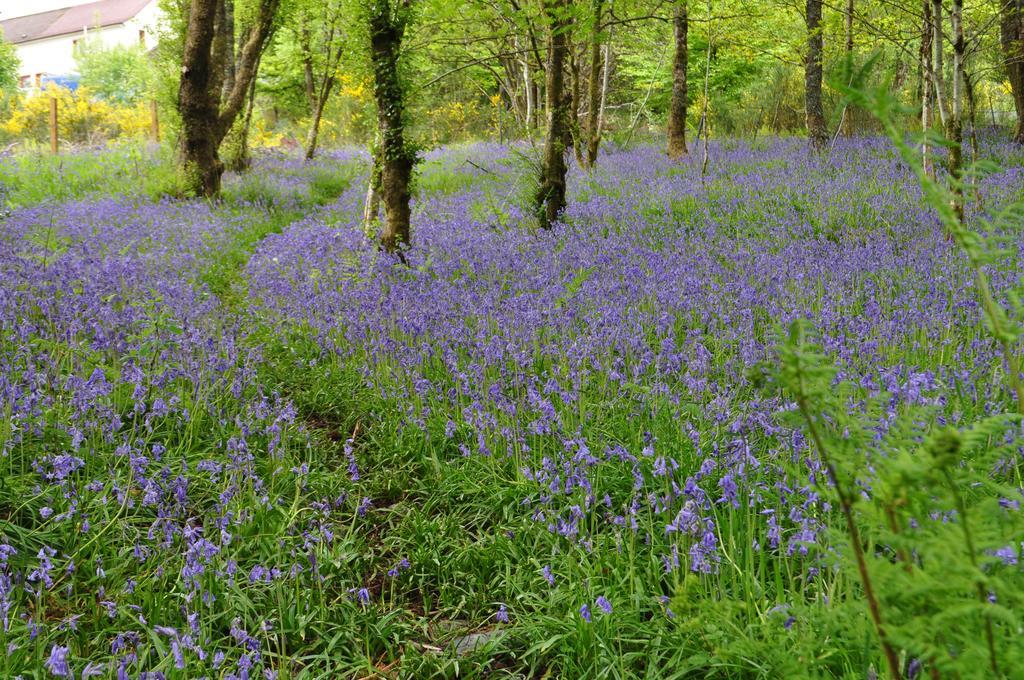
(471, 544)
(130, 170)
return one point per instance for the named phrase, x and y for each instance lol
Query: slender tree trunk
(529, 92)
(955, 130)
(308, 77)
(550, 198)
(323, 95)
(938, 68)
(318, 112)
(371, 207)
(575, 136)
(605, 80)
(848, 110)
(238, 156)
(707, 96)
(816, 131)
(972, 112)
(927, 97)
(677, 107)
(594, 89)
(229, 47)
(387, 28)
(1011, 37)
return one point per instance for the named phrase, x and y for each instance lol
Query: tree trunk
(938, 47)
(550, 198)
(1011, 34)
(927, 96)
(677, 107)
(205, 118)
(229, 47)
(236, 142)
(528, 88)
(938, 70)
(707, 95)
(972, 114)
(593, 134)
(955, 125)
(575, 136)
(605, 80)
(371, 207)
(198, 108)
(308, 79)
(535, 90)
(318, 113)
(848, 110)
(816, 131)
(387, 27)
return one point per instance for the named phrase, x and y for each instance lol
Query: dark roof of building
(70, 20)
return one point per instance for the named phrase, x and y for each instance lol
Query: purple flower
(92, 670)
(57, 664)
(604, 604)
(502, 614)
(585, 613)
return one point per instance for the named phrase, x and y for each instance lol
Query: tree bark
(550, 198)
(333, 49)
(387, 22)
(938, 70)
(318, 113)
(707, 95)
(239, 155)
(1011, 37)
(308, 79)
(677, 107)
(816, 132)
(528, 88)
(575, 133)
(927, 95)
(955, 127)
(593, 134)
(605, 80)
(229, 47)
(205, 119)
(848, 110)
(371, 206)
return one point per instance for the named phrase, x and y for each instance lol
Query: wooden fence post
(53, 125)
(154, 125)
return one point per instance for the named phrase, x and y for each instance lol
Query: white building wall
(147, 20)
(55, 56)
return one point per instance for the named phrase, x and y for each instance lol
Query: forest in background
(476, 70)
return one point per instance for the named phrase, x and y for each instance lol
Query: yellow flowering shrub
(81, 119)
(452, 121)
(261, 136)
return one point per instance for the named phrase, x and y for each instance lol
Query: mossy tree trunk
(1011, 34)
(594, 89)
(550, 198)
(816, 132)
(677, 107)
(387, 23)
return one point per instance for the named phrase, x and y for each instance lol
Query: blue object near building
(68, 81)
